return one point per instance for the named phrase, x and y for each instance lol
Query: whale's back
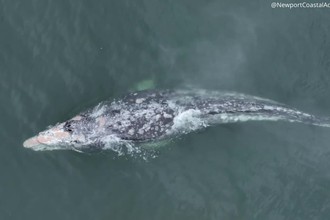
(158, 114)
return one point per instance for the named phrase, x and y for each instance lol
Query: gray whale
(154, 115)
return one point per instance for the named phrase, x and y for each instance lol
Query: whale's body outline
(154, 115)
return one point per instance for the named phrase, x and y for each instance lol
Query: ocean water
(59, 57)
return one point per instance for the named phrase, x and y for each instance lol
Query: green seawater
(58, 58)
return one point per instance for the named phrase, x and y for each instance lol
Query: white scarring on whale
(155, 115)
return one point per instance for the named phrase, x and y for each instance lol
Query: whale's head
(74, 134)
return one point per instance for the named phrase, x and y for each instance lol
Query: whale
(154, 115)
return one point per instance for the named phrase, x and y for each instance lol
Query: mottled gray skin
(151, 115)
(123, 121)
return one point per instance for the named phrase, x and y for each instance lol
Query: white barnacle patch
(167, 115)
(125, 114)
(101, 121)
(131, 131)
(125, 123)
(76, 118)
(141, 131)
(157, 117)
(140, 100)
(146, 127)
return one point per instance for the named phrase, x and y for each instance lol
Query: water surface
(59, 57)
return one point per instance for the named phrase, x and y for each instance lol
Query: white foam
(232, 118)
(186, 121)
(122, 147)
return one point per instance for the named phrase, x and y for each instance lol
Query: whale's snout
(31, 142)
(50, 139)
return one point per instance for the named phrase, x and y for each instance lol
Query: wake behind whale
(154, 115)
